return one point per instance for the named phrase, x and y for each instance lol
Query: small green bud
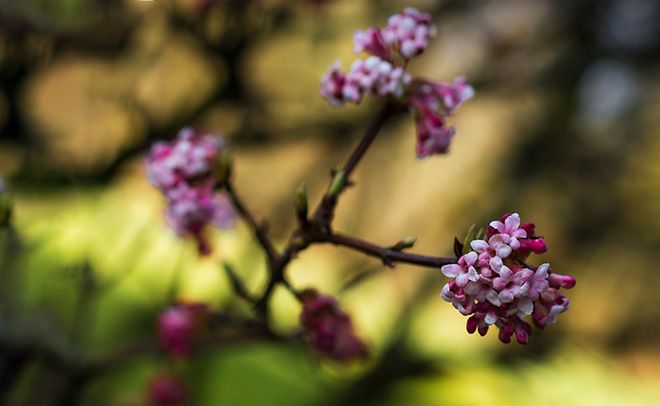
(407, 242)
(338, 183)
(301, 202)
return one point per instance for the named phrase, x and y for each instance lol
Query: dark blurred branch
(258, 230)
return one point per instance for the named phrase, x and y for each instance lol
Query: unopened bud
(301, 202)
(407, 242)
(338, 183)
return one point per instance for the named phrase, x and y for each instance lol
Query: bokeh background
(565, 129)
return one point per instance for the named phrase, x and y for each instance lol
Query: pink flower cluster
(183, 171)
(494, 286)
(406, 35)
(373, 75)
(432, 103)
(166, 389)
(179, 327)
(329, 329)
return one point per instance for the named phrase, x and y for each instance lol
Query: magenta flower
(408, 32)
(383, 74)
(463, 271)
(432, 103)
(191, 208)
(370, 76)
(184, 171)
(329, 329)
(520, 238)
(503, 290)
(179, 327)
(510, 229)
(167, 390)
(371, 41)
(189, 158)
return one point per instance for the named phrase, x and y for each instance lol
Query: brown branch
(324, 213)
(257, 230)
(309, 232)
(389, 256)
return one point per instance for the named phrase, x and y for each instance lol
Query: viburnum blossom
(383, 74)
(329, 329)
(494, 285)
(180, 326)
(431, 104)
(373, 75)
(184, 172)
(167, 390)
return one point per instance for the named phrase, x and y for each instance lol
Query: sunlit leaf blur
(565, 130)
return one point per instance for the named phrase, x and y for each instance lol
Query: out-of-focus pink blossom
(384, 74)
(184, 171)
(432, 103)
(191, 208)
(370, 76)
(167, 390)
(188, 158)
(408, 32)
(329, 329)
(503, 290)
(180, 326)
(371, 40)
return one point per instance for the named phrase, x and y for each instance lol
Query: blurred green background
(565, 129)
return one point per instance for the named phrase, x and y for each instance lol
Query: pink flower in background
(371, 41)
(191, 208)
(180, 326)
(433, 134)
(188, 158)
(408, 32)
(370, 76)
(383, 74)
(167, 390)
(329, 329)
(503, 290)
(452, 95)
(184, 171)
(431, 104)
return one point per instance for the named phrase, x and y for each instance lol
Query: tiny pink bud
(329, 329)
(564, 281)
(536, 245)
(167, 390)
(179, 327)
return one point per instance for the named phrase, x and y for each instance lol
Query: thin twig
(324, 213)
(389, 256)
(257, 230)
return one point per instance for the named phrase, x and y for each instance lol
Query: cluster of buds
(329, 329)
(494, 286)
(383, 74)
(373, 75)
(166, 389)
(186, 172)
(180, 327)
